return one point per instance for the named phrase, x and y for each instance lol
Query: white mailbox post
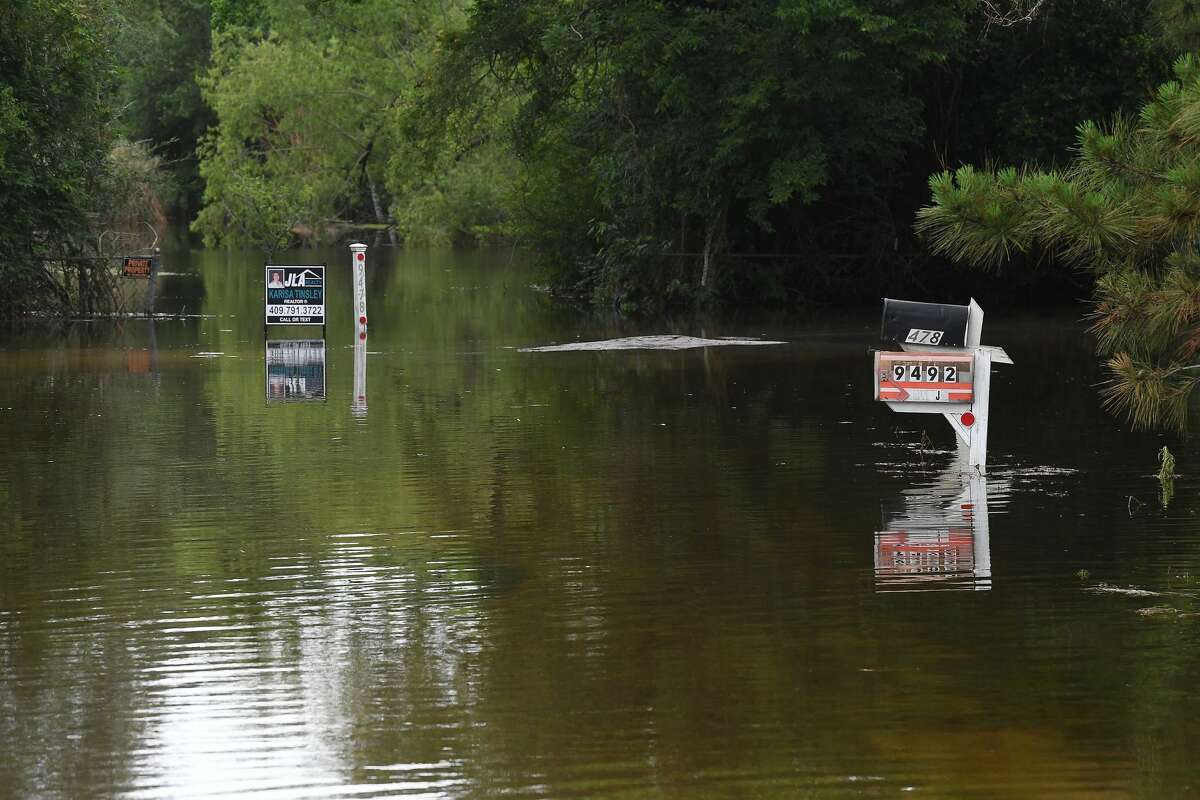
(941, 368)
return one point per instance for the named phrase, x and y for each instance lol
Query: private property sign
(137, 266)
(295, 295)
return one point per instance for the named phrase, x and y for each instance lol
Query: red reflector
(362, 320)
(361, 256)
(363, 336)
(968, 419)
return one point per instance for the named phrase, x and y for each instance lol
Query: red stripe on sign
(963, 396)
(921, 385)
(948, 359)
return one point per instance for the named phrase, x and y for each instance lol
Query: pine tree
(1127, 208)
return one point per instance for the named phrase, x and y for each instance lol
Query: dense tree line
(91, 99)
(655, 152)
(54, 75)
(768, 148)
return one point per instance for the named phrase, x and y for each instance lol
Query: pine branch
(1147, 395)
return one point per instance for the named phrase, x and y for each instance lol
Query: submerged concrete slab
(649, 343)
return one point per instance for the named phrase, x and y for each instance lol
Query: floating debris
(1166, 611)
(1104, 588)
(1166, 476)
(648, 343)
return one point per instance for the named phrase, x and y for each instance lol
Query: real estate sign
(295, 295)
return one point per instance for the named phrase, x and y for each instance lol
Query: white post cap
(357, 247)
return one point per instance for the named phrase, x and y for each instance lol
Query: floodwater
(441, 567)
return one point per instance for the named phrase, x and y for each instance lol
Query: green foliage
(1021, 91)
(677, 126)
(309, 108)
(162, 46)
(1127, 209)
(654, 152)
(1166, 461)
(462, 202)
(1166, 476)
(56, 79)
(228, 14)
(452, 174)
(134, 186)
(1178, 23)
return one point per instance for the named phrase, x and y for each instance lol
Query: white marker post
(359, 265)
(942, 369)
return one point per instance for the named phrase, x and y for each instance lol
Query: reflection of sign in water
(296, 369)
(138, 362)
(938, 538)
(295, 295)
(359, 404)
(924, 555)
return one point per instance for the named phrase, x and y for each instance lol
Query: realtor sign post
(941, 368)
(295, 295)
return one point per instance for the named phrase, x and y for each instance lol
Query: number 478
(922, 336)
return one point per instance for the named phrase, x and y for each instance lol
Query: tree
(648, 130)
(56, 85)
(1127, 209)
(1021, 91)
(162, 47)
(306, 107)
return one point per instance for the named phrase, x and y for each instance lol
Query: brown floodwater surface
(442, 565)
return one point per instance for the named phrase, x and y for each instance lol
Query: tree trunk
(85, 290)
(712, 242)
(379, 216)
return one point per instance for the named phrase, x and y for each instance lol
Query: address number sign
(923, 336)
(924, 377)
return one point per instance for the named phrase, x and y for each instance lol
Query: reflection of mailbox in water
(936, 537)
(925, 377)
(931, 555)
(929, 324)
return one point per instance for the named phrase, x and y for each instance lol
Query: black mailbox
(932, 324)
